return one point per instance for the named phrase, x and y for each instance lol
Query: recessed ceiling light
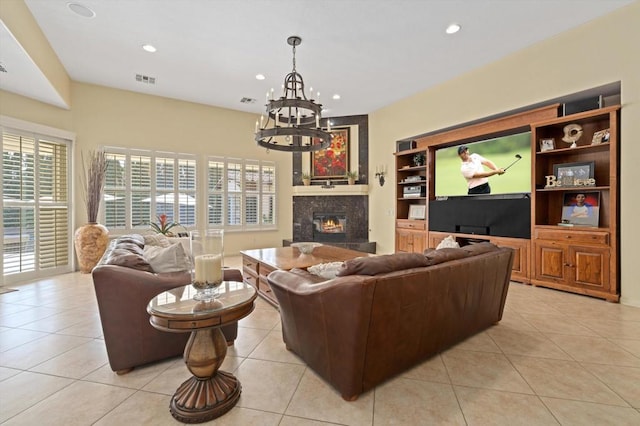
(81, 10)
(149, 48)
(336, 96)
(259, 76)
(453, 28)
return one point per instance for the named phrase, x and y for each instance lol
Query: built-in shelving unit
(411, 197)
(580, 255)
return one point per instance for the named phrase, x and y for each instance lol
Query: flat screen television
(502, 151)
(506, 211)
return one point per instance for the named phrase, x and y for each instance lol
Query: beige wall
(600, 52)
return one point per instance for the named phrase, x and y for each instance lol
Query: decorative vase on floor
(91, 242)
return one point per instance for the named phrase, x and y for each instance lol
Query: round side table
(210, 392)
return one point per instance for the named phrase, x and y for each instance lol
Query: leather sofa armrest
(326, 323)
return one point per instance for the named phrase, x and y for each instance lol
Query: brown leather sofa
(385, 314)
(123, 293)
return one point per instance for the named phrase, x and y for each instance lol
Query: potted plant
(418, 159)
(306, 179)
(91, 239)
(163, 226)
(351, 177)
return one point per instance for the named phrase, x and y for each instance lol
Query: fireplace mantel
(318, 190)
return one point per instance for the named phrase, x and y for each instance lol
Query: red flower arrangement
(163, 226)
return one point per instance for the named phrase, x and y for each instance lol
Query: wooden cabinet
(409, 241)
(576, 268)
(411, 200)
(576, 253)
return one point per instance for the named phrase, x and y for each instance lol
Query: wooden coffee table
(257, 264)
(210, 392)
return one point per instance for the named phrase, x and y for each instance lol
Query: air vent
(145, 79)
(247, 101)
(2, 68)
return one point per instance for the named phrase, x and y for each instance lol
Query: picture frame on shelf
(581, 208)
(547, 144)
(571, 174)
(417, 212)
(332, 162)
(601, 136)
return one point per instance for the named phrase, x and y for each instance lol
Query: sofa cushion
(124, 257)
(167, 259)
(479, 248)
(383, 264)
(434, 257)
(136, 239)
(127, 251)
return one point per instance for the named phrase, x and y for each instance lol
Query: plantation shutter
(115, 207)
(53, 226)
(268, 194)
(252, 194)
(215, 192)
(234, 193)
(35, 205)
(140, 190)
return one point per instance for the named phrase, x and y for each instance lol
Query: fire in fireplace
(329, 226)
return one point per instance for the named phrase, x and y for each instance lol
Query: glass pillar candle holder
(207, 259)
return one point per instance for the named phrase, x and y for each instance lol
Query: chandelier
(293, 121)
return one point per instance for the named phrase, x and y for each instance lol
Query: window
(36, 235)
(143, 184)
(241, 193)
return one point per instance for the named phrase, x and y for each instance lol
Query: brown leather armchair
(123, 295)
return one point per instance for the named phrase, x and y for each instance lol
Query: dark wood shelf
(575, 188)
(583, 148)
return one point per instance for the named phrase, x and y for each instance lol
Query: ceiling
(370, 52)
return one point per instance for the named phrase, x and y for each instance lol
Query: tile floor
(555, 358)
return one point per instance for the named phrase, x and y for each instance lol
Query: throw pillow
(156, 240)
(448, 242)
(167, 259)
(375, 265)
(326, 270)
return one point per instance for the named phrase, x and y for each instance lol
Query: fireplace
(330, 227)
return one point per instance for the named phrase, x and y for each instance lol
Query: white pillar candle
(208, 268)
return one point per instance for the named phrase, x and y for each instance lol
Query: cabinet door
(404, 241)
(551, 259)
(590, 267)
(419, 242)
(410, 241)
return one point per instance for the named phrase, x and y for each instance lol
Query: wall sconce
(380, 172)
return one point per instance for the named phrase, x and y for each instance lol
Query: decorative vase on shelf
(351, 178)
(207, 258)
(90, 241)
